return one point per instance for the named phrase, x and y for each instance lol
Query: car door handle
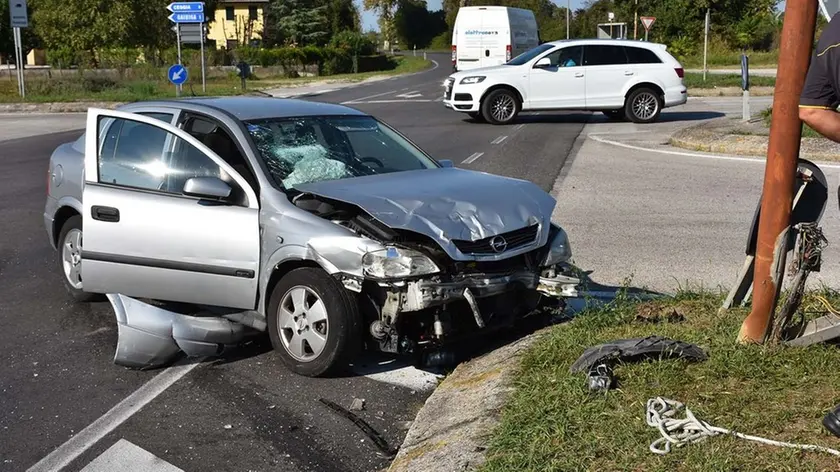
(628, 72)
(103, 213)
(579, 74)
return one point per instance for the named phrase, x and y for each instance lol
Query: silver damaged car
(206, 221)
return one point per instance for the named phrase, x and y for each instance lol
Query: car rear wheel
(314, 323)
(70, 260)
(500, 106)
(643, 105)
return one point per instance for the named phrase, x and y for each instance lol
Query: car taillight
(680, 72)
(454, 49)
(507, 53)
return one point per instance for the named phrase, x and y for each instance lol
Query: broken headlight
(559, 249)
(393, 262)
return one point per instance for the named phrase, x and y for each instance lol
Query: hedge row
(328, 60)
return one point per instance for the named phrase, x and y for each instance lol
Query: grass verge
(695, 80)
(99, 88)
(807, 131)
(551, 422)
(727, 59)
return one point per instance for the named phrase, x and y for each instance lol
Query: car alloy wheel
(503, 107)
(69, 248)
(71, 257)
(644, 105)
(314, 322)
(303, 324)
(500, 106)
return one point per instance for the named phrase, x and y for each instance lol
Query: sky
(369, 17)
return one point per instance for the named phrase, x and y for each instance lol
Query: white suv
(621, 78)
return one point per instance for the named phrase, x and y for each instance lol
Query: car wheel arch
(277, 273)
(61, 216)
(644, 84)
(502, 86)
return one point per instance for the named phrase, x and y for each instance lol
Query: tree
(84, 25)
(301, 22)
(385, 9)
(415, 25)
(342, 15)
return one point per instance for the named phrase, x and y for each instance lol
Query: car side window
(604, 55)
(571, 56)
(641, 56)
(133, 156)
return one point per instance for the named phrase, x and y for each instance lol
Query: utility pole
(636, 20)
(568, 16)
(780, 170)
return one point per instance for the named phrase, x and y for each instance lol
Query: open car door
(164, 217)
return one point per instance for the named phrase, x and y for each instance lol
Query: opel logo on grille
(498, 244)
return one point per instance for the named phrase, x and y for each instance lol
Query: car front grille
(499, 243)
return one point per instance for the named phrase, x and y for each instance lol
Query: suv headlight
(559, 249)
(472, 80)
(393, 262)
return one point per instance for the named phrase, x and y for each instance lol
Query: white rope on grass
(679, 432)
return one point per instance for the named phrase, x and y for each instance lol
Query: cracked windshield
(314, 149)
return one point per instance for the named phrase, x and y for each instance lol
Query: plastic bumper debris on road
(150, 336)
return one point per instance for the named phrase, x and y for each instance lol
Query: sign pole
(203, 79)
(17, 60)
(21, 61)
(178, 33)
(780, 169)
(706, 43)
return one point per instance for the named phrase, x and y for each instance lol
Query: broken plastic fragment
(635, 349)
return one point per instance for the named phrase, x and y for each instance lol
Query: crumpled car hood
(445, 204)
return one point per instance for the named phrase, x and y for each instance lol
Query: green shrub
(441, 41)
(62, 58)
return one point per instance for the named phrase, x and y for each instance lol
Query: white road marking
(356, 100)
(397, 372)
(519, 127)
(721, 157)
(125, 456)
(413, 94)
(415, 100)
(472, 158)
(108, 422)
(498, 140)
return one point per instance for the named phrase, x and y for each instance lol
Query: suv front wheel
(500, 106)
(643, 105)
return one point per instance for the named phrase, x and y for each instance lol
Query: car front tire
(314, 323)
(500, 106)
(70, 260)
(643, 105)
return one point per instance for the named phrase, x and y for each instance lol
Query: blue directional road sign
(186, 7)
(177, 74)
(187, 17)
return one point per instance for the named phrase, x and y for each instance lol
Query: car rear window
(641, 56)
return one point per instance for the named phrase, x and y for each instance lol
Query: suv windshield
(313, 149)
(529, 54)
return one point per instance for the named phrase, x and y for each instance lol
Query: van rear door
(468, 39)
(495, 37)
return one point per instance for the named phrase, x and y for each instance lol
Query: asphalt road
(244, 411)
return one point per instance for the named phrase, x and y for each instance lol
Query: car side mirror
(446, 163)
(544, 62)
(207, 187)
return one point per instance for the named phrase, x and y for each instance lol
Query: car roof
(247, 108)
(614, 42)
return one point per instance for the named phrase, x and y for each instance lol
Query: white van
(491, 36)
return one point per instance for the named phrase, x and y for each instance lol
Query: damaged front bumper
(423, 294)
(150, 336)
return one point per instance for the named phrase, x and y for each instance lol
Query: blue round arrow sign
(177, 74)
